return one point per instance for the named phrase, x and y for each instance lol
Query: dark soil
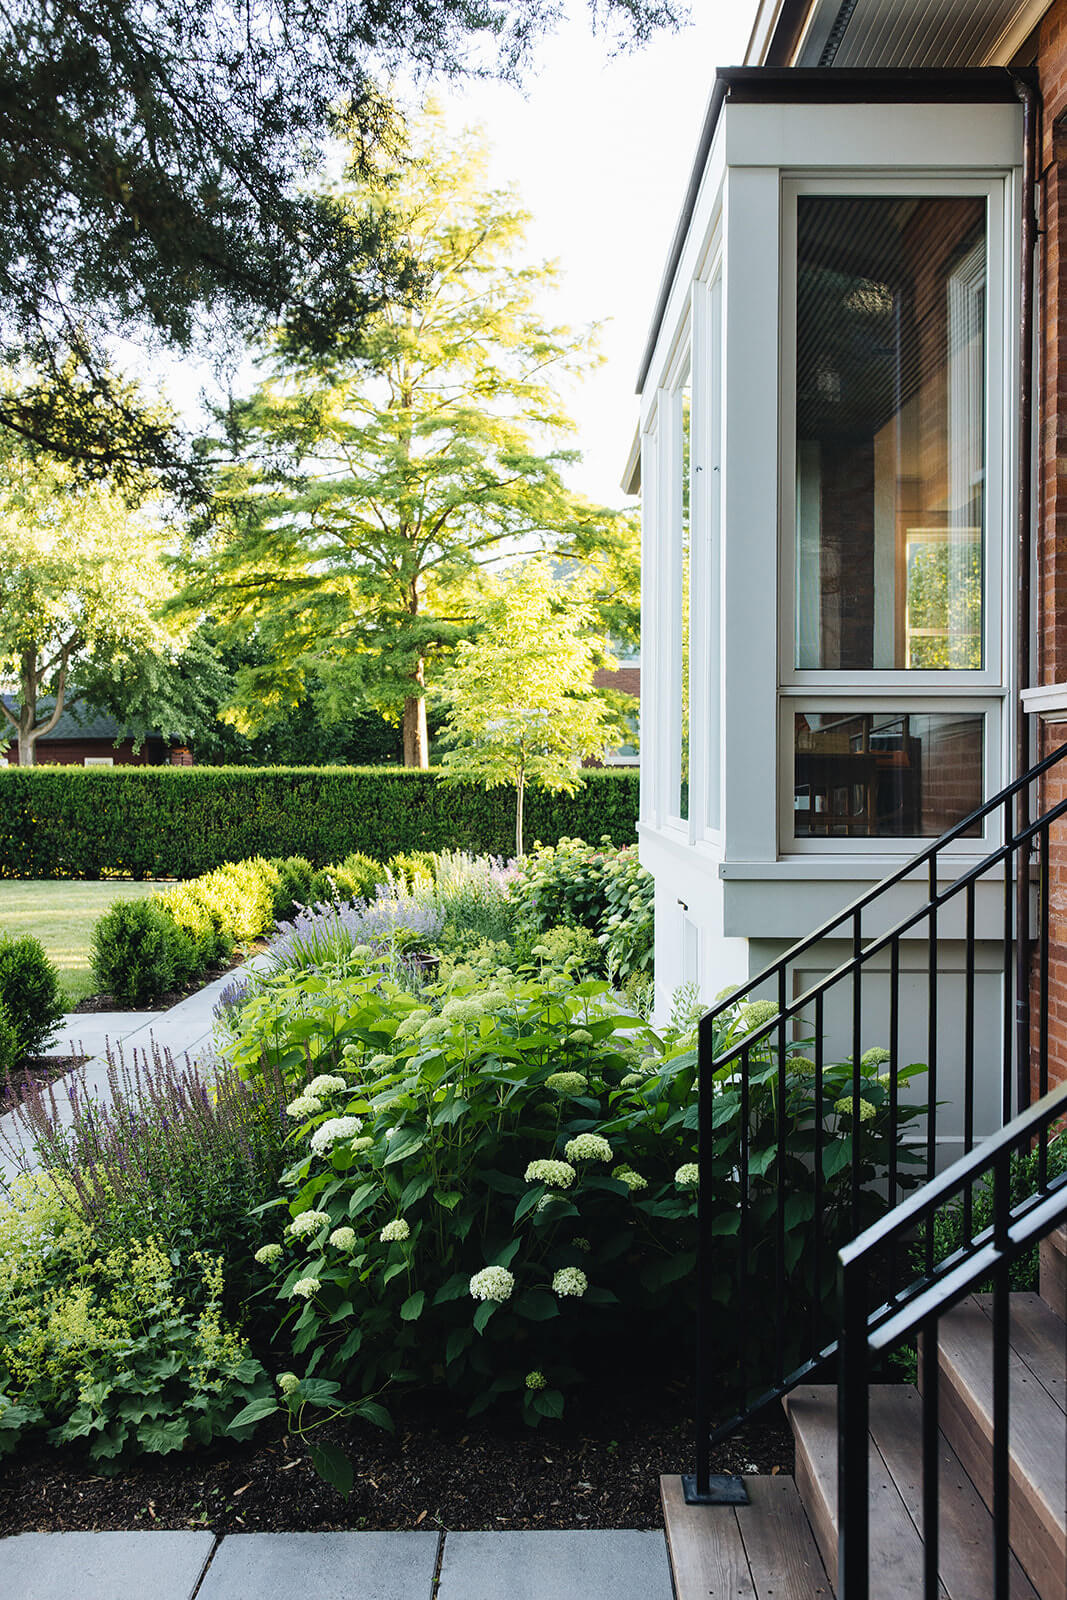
(36, 1072)
(598, 1468)
(107, 1002)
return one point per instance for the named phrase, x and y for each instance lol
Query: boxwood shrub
(180, 822)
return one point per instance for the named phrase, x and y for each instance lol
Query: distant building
(86, 738)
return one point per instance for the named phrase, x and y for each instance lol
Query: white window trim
(990, 706)
(998, 506)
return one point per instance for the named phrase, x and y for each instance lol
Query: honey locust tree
(82, 582)
(522, 705)
(365, 498)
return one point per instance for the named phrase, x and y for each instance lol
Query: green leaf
(265, 1406)
(371, 1411)
(333, 1466)
(411, 1310)
(483, 1313)
(453, 1288)
(405, 1145)
(456, 1343)
(548, 1403)
(449, 1199)
(538, 1305)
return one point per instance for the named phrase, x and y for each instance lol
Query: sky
(600, 149)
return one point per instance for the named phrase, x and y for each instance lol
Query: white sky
(600, 150)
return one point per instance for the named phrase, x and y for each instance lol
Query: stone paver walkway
(585, 1565)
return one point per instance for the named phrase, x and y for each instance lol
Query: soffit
(914, 33)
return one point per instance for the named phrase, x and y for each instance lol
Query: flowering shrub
(327, 934)
(606, 891)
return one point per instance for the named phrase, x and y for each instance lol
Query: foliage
(570, 949)
(182, 821)
(9, 1044)
(367, 491)
(240, 894)
(152, 174)
(99, 1347)
(522, 706)
(31, 999)
(605, 890)
(474, 895)
(81, 585)
(503, 1152)
(325, 935)
(211, 939)
(295, 878)
(950, 1229)
(137, 950)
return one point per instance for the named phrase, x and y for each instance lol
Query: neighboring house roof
(75, 722)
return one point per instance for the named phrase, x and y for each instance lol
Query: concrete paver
(598, 1564)
(88, 1033)
(103, 1566)
(322, 1566)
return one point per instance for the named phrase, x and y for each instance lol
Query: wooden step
(1038, 1424)
(1054, 1272)
(762, 1551)
(965, 1541)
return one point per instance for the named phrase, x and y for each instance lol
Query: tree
(522, 707)
(365, 497)
(151, 167)
(81, 584)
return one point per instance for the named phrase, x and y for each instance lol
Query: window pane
(890, 432)
(683, 612)
(885, 775)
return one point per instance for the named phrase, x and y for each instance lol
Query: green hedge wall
(145, 822)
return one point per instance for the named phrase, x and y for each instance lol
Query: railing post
(853, 1533)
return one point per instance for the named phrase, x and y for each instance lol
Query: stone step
(1037, 1428)
(965, 1542)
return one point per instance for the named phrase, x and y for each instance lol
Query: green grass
(61, 913)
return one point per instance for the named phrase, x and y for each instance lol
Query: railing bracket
(724, 1489)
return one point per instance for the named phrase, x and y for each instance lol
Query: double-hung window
(892, 674)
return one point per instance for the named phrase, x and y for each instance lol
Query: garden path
(184, 1030)
(583, 1565)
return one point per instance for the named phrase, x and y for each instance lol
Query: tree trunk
(416, 744)
(520, 796)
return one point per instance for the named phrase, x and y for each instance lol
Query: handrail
(989, 1254)
(869, 896)
(751, 1200)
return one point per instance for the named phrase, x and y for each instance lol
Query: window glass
(890, 432)
(683, 604)
(885, 775)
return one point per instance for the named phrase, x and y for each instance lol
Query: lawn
(61, 913)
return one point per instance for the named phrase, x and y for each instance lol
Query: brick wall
(72, 752)
(1050, 573)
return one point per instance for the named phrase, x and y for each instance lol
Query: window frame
(998, 511)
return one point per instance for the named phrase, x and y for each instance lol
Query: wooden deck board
(783, 1557)
(707, 1553)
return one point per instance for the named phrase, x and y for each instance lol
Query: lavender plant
(326, 936)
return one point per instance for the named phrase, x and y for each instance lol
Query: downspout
(1026, 88)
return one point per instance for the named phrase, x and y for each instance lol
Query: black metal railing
(868, 1333)
(766, 1314)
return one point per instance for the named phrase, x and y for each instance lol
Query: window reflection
(890, 432)
(883, 775)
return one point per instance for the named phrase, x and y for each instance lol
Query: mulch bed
(107, 1002)
(37, 1072)
(597, 1468)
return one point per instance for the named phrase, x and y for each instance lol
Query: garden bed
(93, 1003)
(36, 1073)
(598, 1468)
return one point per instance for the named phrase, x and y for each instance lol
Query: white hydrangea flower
(875, 1057)
(287, 1382)
(328, 1133)
(464, 1010)
(343, 1238)
(557, 1174)
(411, 1023)
(687, 1176)
(540, 950)
(433, 1028)
(304, 1106)
(756, 1013)
(325, 1084)
(306, 1288)
(844, 1108)
(395, 1232)
(581, 1244)
(308, 1222)
(588, 1147)
(547, 1200)
(268, 1254)
(568, 1083)
(633, 1180)
(492, 1283)
(359, 1145)
(351, 1051)
(536, 1380)
(632, 1080)
(570, 1281)
(581, 1036)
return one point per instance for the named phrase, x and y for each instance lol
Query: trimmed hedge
(145, 822)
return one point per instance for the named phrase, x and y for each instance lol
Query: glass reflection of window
(683, 608)
(890, 432)
(879, 775)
